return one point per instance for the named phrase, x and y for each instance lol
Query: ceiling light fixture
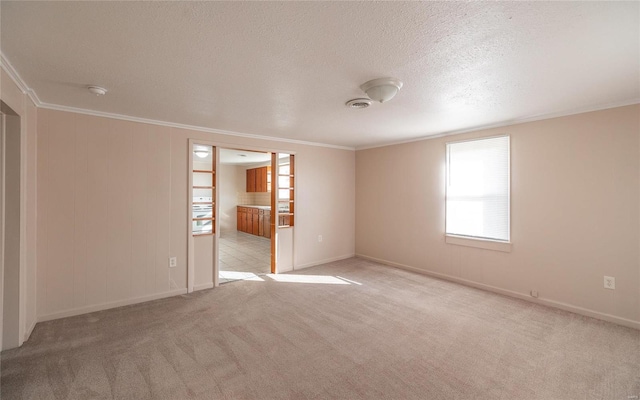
(382, 89)
(201, 153)
(97, 90)
(358, 103)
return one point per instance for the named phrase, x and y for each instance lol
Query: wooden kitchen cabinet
(249, 219)
(266, 227)
(257, 179)
(242, 219)
(251, 180)
(260, 222)
(243, 227)
(261, 179)
(255, 221)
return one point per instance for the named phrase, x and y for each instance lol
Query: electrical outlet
(609, 282)
(534, 293)
(173, 262)
(319, 238)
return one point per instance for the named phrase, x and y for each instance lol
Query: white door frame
(21, 123)
(2, 145)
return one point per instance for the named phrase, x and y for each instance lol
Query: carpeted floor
(350, 330)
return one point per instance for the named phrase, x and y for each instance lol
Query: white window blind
(477, 194)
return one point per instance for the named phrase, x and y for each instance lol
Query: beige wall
(112, 207)
(575, 215)
(108, 211)
(203, 251)
(229, 186)
(20, 103)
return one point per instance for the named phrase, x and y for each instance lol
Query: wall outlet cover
(609, 282)
(173, 262)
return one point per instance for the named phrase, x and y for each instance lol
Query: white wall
(203, 251)
(575, 212)
(230, 183)
(241, 179)
(329, 185)
(110, 215)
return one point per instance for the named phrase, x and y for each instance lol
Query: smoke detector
(97, 90)
(358, 103)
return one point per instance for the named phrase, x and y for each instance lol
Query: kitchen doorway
(241, 209)
(244, 184)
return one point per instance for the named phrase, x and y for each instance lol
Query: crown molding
(17, 79)
(122, 117)
(511, 122)
(13, 74)
(25, 89)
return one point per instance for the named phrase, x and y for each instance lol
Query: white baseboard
(203, 286)
(27, 334)
(547, 302)
(325, 261)
(104, 306)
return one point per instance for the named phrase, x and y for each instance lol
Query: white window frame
(482, 243)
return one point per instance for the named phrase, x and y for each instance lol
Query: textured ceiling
(286, 69)
(242, 157)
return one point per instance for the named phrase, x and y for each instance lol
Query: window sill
(479, 243)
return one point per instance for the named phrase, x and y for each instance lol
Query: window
(477, 192)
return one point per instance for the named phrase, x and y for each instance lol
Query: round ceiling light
(382, 89)
(97, 90)
(358, 103)
(201, 153)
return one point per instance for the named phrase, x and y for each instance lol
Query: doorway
(244, 250)
(241, 212)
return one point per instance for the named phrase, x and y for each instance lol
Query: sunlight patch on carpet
(325, 279)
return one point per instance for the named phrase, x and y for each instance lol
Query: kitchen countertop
(253, 206)
(282, 210)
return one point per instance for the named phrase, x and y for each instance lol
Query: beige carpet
(367, 332)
